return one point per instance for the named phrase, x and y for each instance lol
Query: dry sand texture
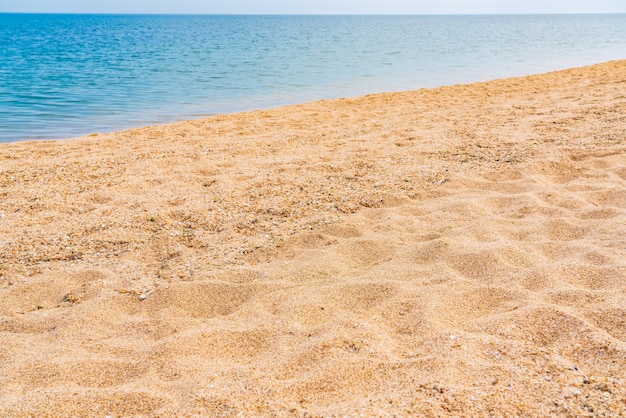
(459, 251)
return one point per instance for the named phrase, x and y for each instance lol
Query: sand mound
(449, 252)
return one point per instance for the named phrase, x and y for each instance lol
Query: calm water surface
(68, 75)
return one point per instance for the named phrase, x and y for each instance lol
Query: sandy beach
(458, 251)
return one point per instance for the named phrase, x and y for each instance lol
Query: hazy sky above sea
(314, 7)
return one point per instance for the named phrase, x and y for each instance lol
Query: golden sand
(458, 251)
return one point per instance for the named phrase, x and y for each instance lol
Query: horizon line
(313, 14)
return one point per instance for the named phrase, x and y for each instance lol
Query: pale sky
(315, 6)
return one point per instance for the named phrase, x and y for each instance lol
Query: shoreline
(435, 251)
(310, 102)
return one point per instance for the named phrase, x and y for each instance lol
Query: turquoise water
(67, 75)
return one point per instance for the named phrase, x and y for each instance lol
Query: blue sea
(63, 76)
